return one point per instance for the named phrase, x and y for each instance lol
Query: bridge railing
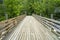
(7, 25)
(51, 24)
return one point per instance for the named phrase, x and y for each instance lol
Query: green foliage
(46, 7)
(17, 7)
(13, 7)
(1, 13)
(39, 7)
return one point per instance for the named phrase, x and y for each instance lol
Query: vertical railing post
(40, 14)
(6, 16)
(51, 16)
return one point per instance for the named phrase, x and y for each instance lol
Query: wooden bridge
(30, 28)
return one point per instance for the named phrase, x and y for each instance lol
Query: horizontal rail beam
(51, 24)
(7, 25)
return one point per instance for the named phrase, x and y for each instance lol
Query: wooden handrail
(51, 24)
(6, 25)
